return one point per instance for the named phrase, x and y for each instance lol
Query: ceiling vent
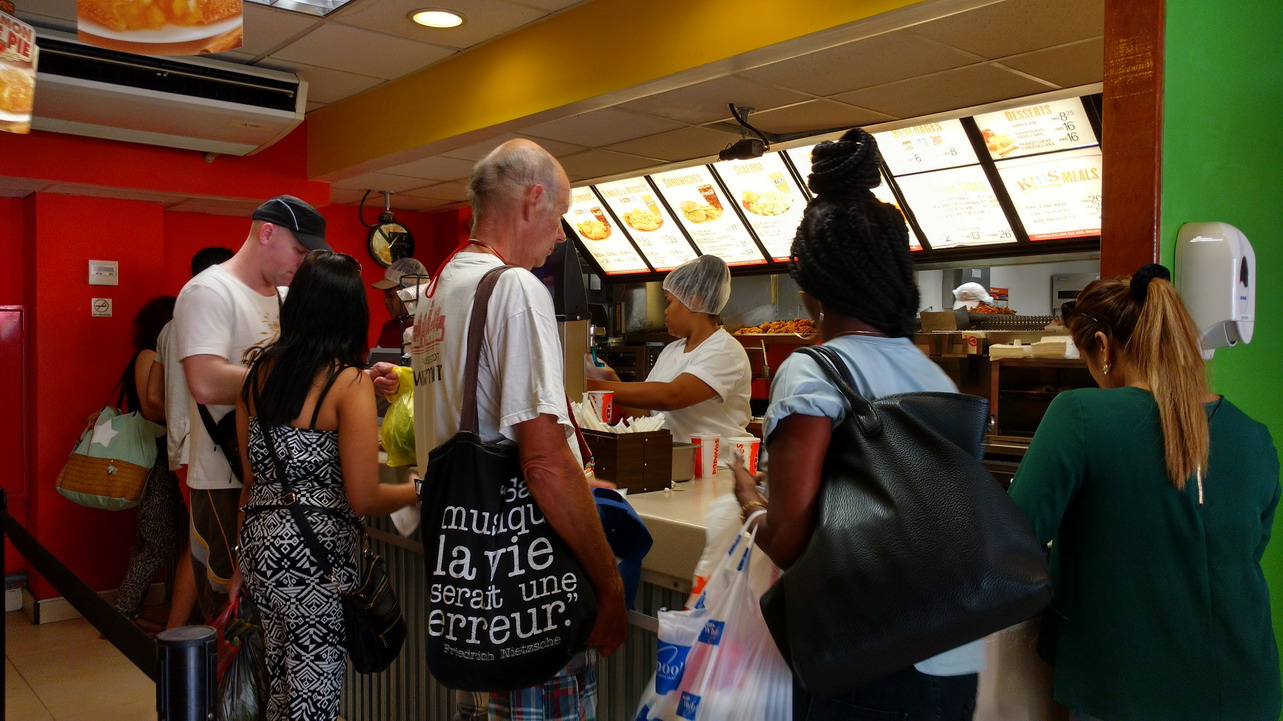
(192, 103)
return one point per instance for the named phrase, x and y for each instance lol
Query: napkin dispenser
(637, 462)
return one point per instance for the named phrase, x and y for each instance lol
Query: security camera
(743, 149)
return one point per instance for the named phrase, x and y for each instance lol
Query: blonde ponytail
(1164, 350)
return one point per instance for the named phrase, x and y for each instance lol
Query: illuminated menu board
(707, 215)
(956, 207)
(801, 159)
(647, 222)
(1057, 125)
(930, 146)
(1057, 195)
(772, 202)
(596, 231)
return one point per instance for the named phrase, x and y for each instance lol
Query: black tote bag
(508, 603)
(917, 549)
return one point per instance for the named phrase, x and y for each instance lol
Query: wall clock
(388, 240)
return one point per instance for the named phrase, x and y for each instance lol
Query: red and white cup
(748, 448)
(706, 447)
(602, 402)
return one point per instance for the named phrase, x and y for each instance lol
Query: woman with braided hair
(1159, 496)
(851, 260)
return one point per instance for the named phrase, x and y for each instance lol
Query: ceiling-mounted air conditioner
(193, 103)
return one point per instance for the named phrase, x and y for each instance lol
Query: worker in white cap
(391, 334)
(971, 295)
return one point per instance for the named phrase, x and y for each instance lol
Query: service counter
(1013, 686)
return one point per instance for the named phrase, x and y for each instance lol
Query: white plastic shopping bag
(716, 660)
(722, 524)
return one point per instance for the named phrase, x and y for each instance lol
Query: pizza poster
(1039, 128)
(772, 202)
(708, 216)
(608, 245)
(1058, 195)
(956, 207)
(653, 229)
(18, 54)
(189, 27)
(926, 147)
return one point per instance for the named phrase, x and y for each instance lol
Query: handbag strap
(313, 543)
(476, 333)
(829, 361)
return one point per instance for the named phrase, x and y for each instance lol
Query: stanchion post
(185, 691)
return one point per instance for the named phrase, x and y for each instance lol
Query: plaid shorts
(571, 695)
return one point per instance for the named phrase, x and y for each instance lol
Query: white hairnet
(970, 295)
(703, 285)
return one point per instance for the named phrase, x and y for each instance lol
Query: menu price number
(1095, 202)
(917, 157)
(1002, 235)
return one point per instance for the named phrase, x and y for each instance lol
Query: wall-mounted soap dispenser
(1216, 277)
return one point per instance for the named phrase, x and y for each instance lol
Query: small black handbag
(508, 603)
(917, 549)
(374, 630)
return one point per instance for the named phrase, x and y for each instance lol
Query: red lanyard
(432, 283)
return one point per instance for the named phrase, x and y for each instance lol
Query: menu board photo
(708, 216)
(649, 224)
(930, 146)
(771, 200)
(1058, 195)
(801, 159)
(1041, 128)
(956, 208)
(597, 235)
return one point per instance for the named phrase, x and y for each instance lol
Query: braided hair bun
(846, 167)
(851, 251)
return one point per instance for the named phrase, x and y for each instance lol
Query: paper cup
(748, 447)
(601, 402)
(706, 447)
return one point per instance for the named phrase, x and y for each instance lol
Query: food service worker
(702, 380)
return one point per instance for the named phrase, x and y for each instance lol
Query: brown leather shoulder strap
(476, 333)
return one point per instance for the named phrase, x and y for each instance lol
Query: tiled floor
(63, 672)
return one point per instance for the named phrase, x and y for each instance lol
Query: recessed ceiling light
(435, 18)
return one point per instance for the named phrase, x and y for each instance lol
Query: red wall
(46, 241)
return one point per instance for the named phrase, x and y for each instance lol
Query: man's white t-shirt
(520, 371)
(216, 314)
(176, 396)
(720, 361)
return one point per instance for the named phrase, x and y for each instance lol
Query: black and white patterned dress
(302, 617)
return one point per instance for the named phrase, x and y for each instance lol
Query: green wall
(1223, 160)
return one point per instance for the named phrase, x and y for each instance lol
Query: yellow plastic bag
(397, 432)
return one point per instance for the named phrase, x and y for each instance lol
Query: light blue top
(881, 367)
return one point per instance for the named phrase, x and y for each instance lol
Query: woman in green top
(1159, 497)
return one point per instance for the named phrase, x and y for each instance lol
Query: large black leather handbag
(917, 548)
(508, 603)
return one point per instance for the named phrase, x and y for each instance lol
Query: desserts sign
(17, 74)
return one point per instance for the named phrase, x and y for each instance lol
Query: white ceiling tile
(379, 182)
(406, 202)
(599, 163)
(339, 46)
(453, 191)
(815, 116)
(861, 64)
(477, 151)
(343, 196)
(1017, 26)
(330, 86)
(602, 127)
(484, 20)
(950, 90)
(675, 145)
(707, 102)
(313, 105)
(435, 168)
(266, 28)
(1080, 63)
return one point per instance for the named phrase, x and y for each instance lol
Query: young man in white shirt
(519, 193)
